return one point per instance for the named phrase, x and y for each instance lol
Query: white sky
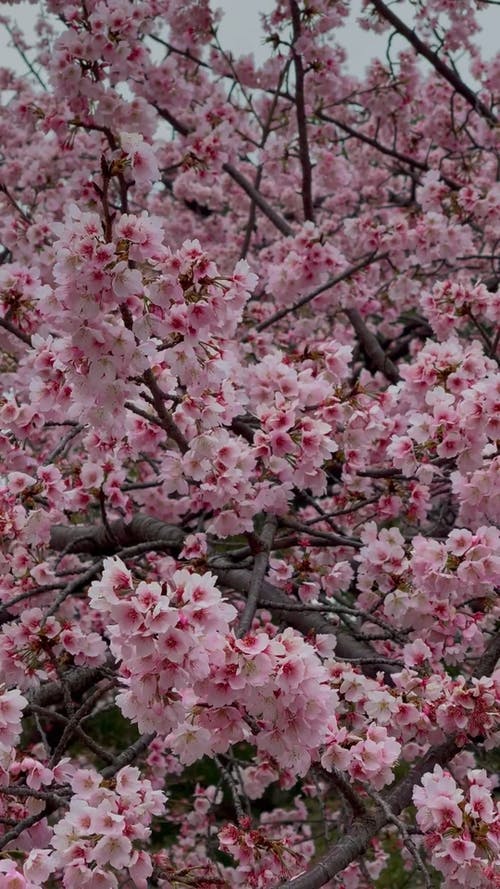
(240, 32)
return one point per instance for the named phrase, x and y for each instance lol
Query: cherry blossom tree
(249, 432)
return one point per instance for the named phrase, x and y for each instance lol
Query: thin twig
(73, 587)
(333, 539)
(24, 216)
(410, 845)
(24, 57)
(72, 726)
(63, 444)
(423, 50)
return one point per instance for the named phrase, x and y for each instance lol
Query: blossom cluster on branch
(249, 451)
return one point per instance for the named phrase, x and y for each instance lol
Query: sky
(240, 32)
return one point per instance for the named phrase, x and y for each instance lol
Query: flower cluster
(100, 838)
(12, 704)
(165, 641)
(459, 827)
(306, 260)
(451, 302)
(249, 447)
(29, 648)
(261, 860)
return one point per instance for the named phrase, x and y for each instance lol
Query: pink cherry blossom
(249, 467)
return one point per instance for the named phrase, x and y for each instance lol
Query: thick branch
(300, 105)
(305, 622)
(490, 658)
(23, 825)
(97, 541)
(257, 198)
(15, 331)
(78, 681)
(372, 348)
(362, 830)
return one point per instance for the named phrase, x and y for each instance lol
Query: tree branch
(78, 681)
(129, 755)
(342, 276)
(257, 198)
(304, 154)
(423, 50)
(23, 825)
(372, 348)
(383, 149)
(15, 331)
(363, 829)
(369, 342)
(166, 420)
(238, 177)
(260, 564)
(143, 528)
